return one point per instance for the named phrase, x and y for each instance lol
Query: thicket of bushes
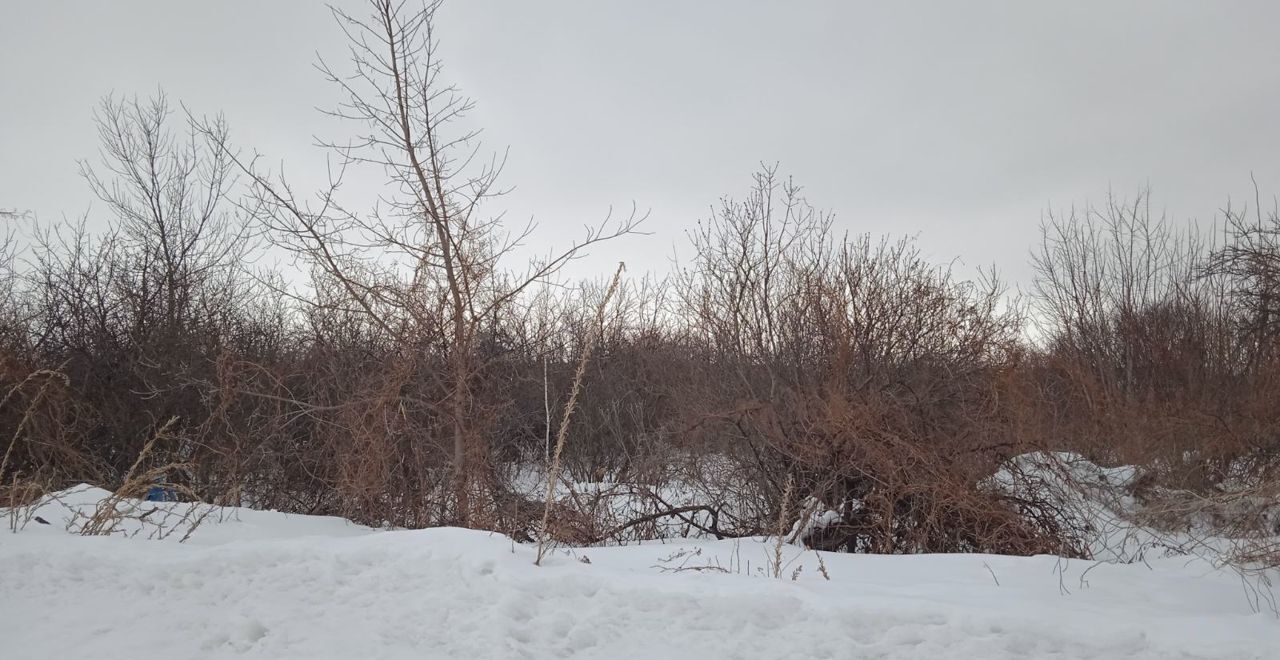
(408, 369)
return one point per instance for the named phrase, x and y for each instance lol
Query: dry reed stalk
(23, 498)
(26, 415)
(106, 516)
(781, 531)
(553, 471)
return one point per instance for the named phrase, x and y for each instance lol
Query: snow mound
(1117, 515)
(70, 512)
(258, 584)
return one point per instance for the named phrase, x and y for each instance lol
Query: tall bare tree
(425, 265)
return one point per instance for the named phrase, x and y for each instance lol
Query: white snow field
(258, 584)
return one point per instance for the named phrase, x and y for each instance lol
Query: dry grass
(780, 532)
(49, 375)
(553, 470)
(125, 503)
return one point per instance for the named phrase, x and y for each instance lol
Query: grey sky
(960, 122)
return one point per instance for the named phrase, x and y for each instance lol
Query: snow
(1102, 501)
(67, 511)
(260, 584)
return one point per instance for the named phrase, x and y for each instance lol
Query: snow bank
(68, 511)
(257, 584)
(1104, 503)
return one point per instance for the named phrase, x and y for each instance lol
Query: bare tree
(167, 192)
(1249, 261)
(426, 265)
(1103, 276)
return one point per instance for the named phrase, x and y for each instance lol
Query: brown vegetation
(409, 372)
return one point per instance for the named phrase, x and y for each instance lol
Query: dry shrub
(1160, 346)
(43, 448)
(874, 377)
(894, 493)
(410, 378)
(1160, 351)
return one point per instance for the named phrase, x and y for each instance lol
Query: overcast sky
(959, 122)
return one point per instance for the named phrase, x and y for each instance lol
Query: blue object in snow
(161, 494)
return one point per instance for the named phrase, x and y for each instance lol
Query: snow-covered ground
(269, 585)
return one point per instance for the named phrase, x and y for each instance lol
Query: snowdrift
(261, 584)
